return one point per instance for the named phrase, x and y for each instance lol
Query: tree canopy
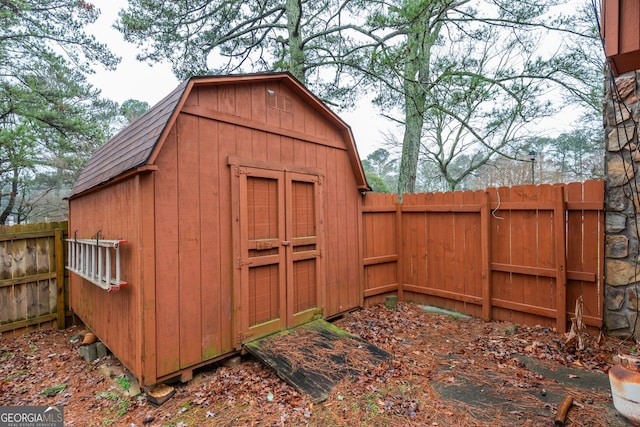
(315, 40)
(463, 78)
(49, 114)
(131, 109)
(468, 78)
(572, 156)
(381, 171)
(467, 81)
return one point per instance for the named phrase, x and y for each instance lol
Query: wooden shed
(234, 207)
(621, 32)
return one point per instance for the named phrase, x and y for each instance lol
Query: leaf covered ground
(445, 371)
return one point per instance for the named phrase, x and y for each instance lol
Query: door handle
(286, 243)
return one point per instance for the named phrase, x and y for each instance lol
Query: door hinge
(237, 171)
(241, 262)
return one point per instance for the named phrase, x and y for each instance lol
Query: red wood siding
(115, 317)
(195, 260)
(181, 213)
(621, 32)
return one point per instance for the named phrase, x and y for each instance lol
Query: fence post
(559, 222)
(59, 251)
(399, 239)
(485, 247)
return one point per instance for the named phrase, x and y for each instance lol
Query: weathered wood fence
(32, 276)
(523, 254)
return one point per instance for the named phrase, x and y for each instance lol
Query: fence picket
(31, 290)
(534, 250)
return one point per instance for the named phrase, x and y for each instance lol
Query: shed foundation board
(316, 356)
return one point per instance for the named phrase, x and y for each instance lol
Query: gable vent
(279, 102)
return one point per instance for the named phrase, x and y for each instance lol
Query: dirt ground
(445, 371)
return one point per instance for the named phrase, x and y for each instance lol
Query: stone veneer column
(622, 207)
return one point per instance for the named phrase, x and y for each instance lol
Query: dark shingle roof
(132, 146)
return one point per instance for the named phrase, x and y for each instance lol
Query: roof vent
(279, 102)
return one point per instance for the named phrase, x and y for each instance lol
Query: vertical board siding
(146, 275)
(630, 38)
(351, 198)
(223, 144)
(336, 250)
(440, 259)
(195, 260)
(341, 278)
(167, 308)
(113, 316)
(211, 307)
(189, 226)
(28, 282)
(190, 239)
(621, 34)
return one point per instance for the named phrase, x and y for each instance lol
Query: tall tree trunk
(416, 79)
(296, 52)
(414, 120)
(12, 197)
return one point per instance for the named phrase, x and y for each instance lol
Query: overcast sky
(136, 80)
(143, 82)
(132, 79)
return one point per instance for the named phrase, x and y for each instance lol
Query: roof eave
(114, 180)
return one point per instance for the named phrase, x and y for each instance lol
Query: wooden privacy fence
(523, 254)
(32, 285)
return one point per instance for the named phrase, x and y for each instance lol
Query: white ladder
(94, 260)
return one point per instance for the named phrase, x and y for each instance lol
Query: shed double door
(280, 280)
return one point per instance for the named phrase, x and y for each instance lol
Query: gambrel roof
(133, 149)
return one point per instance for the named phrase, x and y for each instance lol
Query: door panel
(262, 265)
(305, 290)
(278, 251)
(302, 231)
